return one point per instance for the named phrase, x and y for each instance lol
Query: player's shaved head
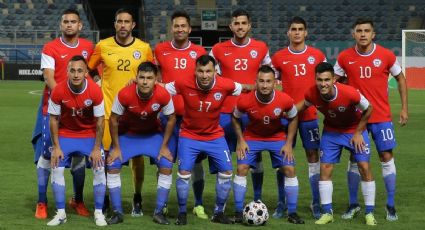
(204, 60)
(147, 67)
(182, 14)
(241, 12)
(324, 67)
(297, 20)
(361, 21)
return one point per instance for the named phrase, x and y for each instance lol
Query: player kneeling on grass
(265, 107)
(135, 129)
(76, 125)
(346, 114)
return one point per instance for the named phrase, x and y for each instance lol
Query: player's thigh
(362, 156)
(219, 154)
(187, 152)
(383, 136)
(255, 149)
(331, 146)
(309, 133)
(106, 139)
(276, 156)
(75, 146)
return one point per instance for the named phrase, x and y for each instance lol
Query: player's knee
(289, 171)
(57, 176)
(386, 156)
(325, 171)
(165, 171)
(113, 180)
(365, 172)
(242, 170)
(99, 176)
(312, 155)
(165, 181)
(43, 163)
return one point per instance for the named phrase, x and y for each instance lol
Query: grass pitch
(18, 191)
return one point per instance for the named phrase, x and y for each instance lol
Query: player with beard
(120, 55)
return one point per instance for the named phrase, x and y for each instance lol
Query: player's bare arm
(287, 149)
(241, 146)
(165, 151)
(357, 141)
(49, 78)
(57, 154)
(247, 87)
(402, 90)
(116, 151)
(96, 154)
(301, 106)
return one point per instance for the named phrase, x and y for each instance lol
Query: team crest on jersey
(193, 54)
(311, 60)
(253, 53)
(155, 106)
(88, 102)
(277, 111)
(218, 96)
(341, 109)
(137, 54)
(85, 54)
(377, 62)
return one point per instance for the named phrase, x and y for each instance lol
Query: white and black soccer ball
(255, 213)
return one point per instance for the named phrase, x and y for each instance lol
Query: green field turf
(18, 190)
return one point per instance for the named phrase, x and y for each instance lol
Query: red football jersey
(239, 63)
(202, 108)
(297, 73)
(264, 119)
(56, 55)
(141, 116)
(343, 112)
(77, 111)
(369, 73)
(176, 63)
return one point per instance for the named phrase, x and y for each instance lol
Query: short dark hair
(297, 20)
(204, 60)
(148, 67)
(324, 67)
(78, 58)
(241, 12)
(71, 11)
(266, 69)
(180, 13)
(360, 21)
(125, 10)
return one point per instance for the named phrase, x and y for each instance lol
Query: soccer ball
(255, 213)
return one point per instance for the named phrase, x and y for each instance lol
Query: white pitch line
(36, 92)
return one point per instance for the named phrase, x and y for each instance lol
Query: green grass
(18, 191)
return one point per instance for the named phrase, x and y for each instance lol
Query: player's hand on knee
(358, 142)
(113, 155)
(57, 156)
(287, 153)
(96, 158)
(165, 152)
